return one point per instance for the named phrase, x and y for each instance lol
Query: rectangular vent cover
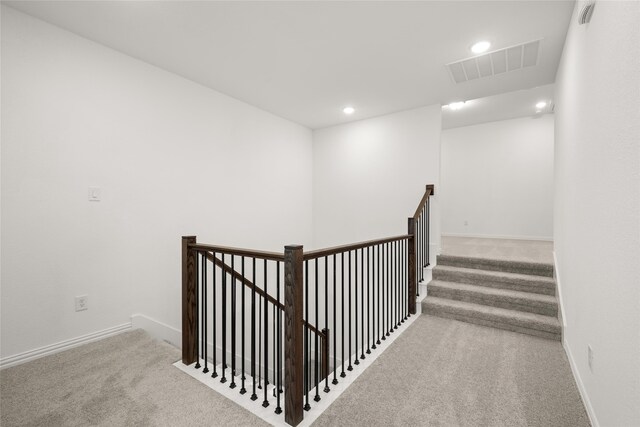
(496, 62)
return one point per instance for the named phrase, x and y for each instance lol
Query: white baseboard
(498, 236)
(583, 392)
(434, 251)
(556, 273)
(27, 356)
(156, 329)
(574, 368)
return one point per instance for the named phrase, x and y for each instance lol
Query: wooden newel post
(293, 335)
(411, 267)
(189, 309)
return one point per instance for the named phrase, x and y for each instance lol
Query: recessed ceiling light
(540, 105)
(348, 110)
(456, 105)
(480, 47)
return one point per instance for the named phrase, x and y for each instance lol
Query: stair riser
(495, 301)
(531, 286)
(429, 308)
(495, 265)
(470, 318)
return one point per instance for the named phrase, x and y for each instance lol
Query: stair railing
(361, 292)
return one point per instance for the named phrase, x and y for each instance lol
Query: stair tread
(495, 264)
(498, 274)
(502, 314)
(497, 260)
(479, 289)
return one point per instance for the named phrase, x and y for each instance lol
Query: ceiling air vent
(496, 62)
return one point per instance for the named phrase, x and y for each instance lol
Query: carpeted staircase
(512, 295)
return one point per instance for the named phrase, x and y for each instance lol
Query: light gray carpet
(442, 372)
(125, 380)
(506, 249)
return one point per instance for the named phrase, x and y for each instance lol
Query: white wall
(498, 178)
(597, 208)
(171, 157)
(369, 176)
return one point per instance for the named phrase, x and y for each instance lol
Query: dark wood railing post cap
(292, 247)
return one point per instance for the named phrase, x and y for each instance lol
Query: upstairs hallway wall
(497, 179)
(369, 175)
(171, 158)
(597, 208)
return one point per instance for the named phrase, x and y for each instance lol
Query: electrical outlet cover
(82, 303)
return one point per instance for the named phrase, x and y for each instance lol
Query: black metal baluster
(254, 396)
(393, 287)
(215, 330)
(416, 245)
(385, 295)
(388, 327)
(342, 374)
(278, 381)
(362, 301)
(378, 280)
(243, 376)
(404, 288)
(273, 358)
(398, 285)
(198, 310)
(204, 311)
(420, 238)
(350, 368)
(405, 263)
(326, 319)
(335, 329)
(260, 333)
(307, 355)
(232, 298)
(399, 274)
(428, 220)
(260, 298)
(355, 306)
(424, 241)
(224, 322)
(368, 302)
(374, 283)
(316, 363)
(403, 294)
(266, 338)
(422, 230)
(383, 290)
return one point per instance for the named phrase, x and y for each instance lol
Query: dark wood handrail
(353, 246)
(272, 256)
(427, 193)
(234, 274)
